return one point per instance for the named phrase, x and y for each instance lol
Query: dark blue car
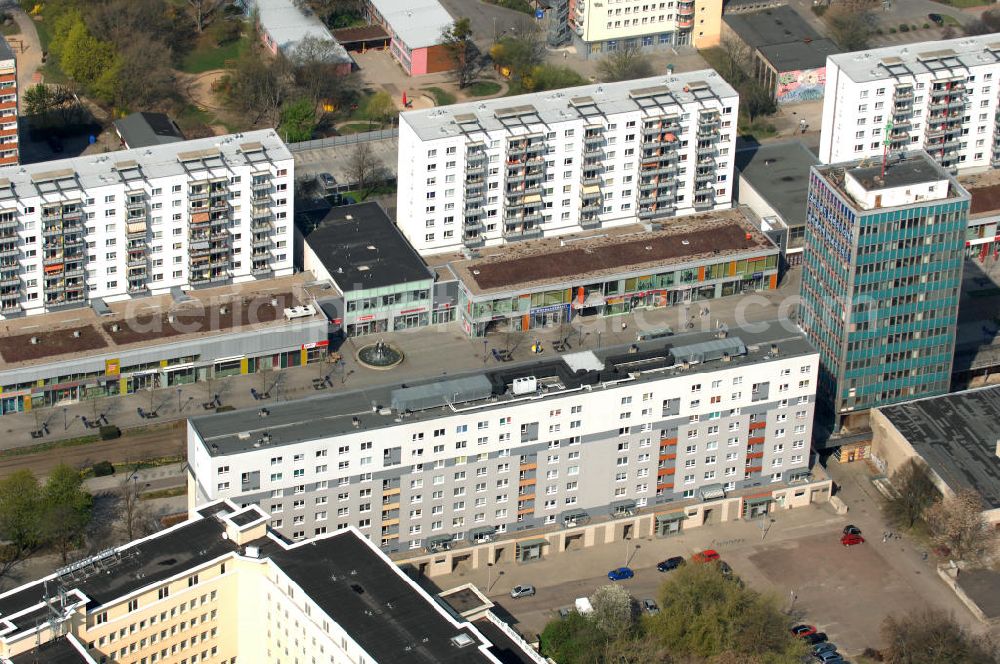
(621, 574)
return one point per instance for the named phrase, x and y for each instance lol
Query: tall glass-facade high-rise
(881, 280)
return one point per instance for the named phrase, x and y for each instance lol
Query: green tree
(519, 53)
(572, 640)
(851, 24)
(66, 509)
(552, 77)
(930, 636)
(20, 512)
(705, 614)
(755, 100)
(379, 108)
(915, 492)
(83, 57)
(298, 120)
(38, 100)
(624, 65)
(457, 41)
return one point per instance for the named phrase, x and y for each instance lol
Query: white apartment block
(940, 96)
(608, 433)
(613, 25)
(126, 224)
(550, 163)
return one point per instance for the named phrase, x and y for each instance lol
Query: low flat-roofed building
(789, 56)
(415, 28)
(774, 183)
(382, 284)
(122, 347)
(983, 239)
(956, 435)
(183, 592)
(552, 281)
(283, 24)
(141, 130)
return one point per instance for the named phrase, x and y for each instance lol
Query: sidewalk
(431, 351)
(144, 477)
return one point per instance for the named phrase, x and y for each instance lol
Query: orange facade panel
(664, 487)
(755, 469)
(663, 472)
(8, 105)
(529, 466)
(755, 440)
(667, 457)
(755, 455)
(667, 441)
(757, 425)
(8, 78)
(529, 482)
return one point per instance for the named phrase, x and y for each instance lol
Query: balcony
(474, 241)
(9, 251)
(590, 223)
(526, 234)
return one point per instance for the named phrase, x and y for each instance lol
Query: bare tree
(364, 168)
(736, 64)
(202, 11)
(134, 515)
(915, 492)
(852, 24)
(624, 65)
(958, 524)
(457, 41)
(313, 65)
(931, 636)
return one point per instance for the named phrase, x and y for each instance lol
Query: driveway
(488, 21)
(28, 50)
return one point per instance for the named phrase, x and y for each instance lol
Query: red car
(801, 631)
(706, 556)
(851, 539)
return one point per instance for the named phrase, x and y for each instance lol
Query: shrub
(110, 432)
(879, 31)
(103, 469)
(892, 31)
(927, 26)
(224, 409)
(904, 27)
(819, 10)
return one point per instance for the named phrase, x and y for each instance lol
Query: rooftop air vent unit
(525, 385)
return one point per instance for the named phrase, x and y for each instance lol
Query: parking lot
(844, 591)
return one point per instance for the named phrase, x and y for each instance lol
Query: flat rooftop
(361, 248)
(795, 55)
(914, 167)
(140, 130)
(98, 170)
(718, 234)
(776, 25)
(946, 58)
(417, 23)
(779, 173)
(985, 191)
(956, 434)
(375, 603)
(150, 321)
(287, 25)
(347, 577)
(292, 422)
(658, 95)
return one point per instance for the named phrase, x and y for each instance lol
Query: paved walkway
(430, 351)
(28, 49)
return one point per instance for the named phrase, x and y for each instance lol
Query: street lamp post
(65, 420)
(178, 399)
(489, 577)
(485, 345)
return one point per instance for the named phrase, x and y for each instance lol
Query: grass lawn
(483, 88)
(951, 20)
(44, 34)
(963, 3)
(10, 30)
(441, 97)
(758, 129)
(206, 56)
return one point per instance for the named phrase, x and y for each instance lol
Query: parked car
(706, 556)
(725, 568)
(936, 19)
(803, 630)
(650, 607)
(621, 574)
(852, 530)
(327, 180)
(522, 591)
(670, 563)
(851, 540)
(828, 657)
(813, 639)
(821, 648)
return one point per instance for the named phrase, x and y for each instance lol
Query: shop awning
(592, 189)
(532, 198)
(574, 517)
(757, 501)
(136, 227)
(484, 530)
(540, 541)
(712, 491)
(670, 517)
(595, 299)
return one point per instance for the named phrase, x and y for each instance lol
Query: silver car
(650, 607)
(522, 591)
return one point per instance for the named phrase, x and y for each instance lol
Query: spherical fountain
(379, 356)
